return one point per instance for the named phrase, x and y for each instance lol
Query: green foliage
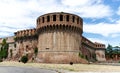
(15, 38)
(115, 51)
(36, 51)
(3, 42)
(109, 51)
(119, 62)
(1, 59)
(4, 49)
(3, 53)
(81, 55)
(24, 59)
(112, 50)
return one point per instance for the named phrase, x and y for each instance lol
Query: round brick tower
(59, 37)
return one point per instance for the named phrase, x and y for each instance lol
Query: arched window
(54, 17)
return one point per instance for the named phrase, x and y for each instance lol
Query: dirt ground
(66, 67)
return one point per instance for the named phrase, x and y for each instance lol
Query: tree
(115, 51)
(109, 51)
(4, 49)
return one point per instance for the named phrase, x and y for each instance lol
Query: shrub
(24, 59)
(1, 59)
(81, 55)
(71, 63)
(36, 51)
(119, 62)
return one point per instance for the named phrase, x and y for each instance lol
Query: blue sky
(101, 17)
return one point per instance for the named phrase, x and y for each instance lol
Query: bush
(24, 59)
(119, 62)
(71, 63)
(36, 51)
(1, 60)
(81, 55)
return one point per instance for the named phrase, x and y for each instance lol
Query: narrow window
(77, 20)
(48, 18)
(73, 18)
(61, 17)
(26, 46)
(43, 19)
(39, 20)
(54, 17)
(47, 48)
(67, 18)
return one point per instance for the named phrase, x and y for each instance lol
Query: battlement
(58, 38)
(28, 32)
(99, 45)
(59, 19)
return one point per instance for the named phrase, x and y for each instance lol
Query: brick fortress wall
(58, 37)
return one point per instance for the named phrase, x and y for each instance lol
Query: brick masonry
(58, 37)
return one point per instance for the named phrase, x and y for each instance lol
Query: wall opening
(48, 18)
(47, 48)
(73, 18)
(54, 17)
(26, 46)
(61, 17)
(67, 18)
(43, 19)
(77, 20)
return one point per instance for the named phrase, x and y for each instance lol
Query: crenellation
(58, 37)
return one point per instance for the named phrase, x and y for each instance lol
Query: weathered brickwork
(58, 37)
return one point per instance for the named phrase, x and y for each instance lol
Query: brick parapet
(60, 19)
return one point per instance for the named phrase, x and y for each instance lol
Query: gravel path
(10, 69)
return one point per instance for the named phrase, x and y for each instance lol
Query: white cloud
(115, 35)
(104, 29)
(4, 34)
(89, 8)
(98, 40)
(80, 2)
(95, 11)
(75, 3)
(22, 14)
(118, 12)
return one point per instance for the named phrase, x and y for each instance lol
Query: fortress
(58, 37)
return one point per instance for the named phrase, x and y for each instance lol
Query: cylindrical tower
(59, 37)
